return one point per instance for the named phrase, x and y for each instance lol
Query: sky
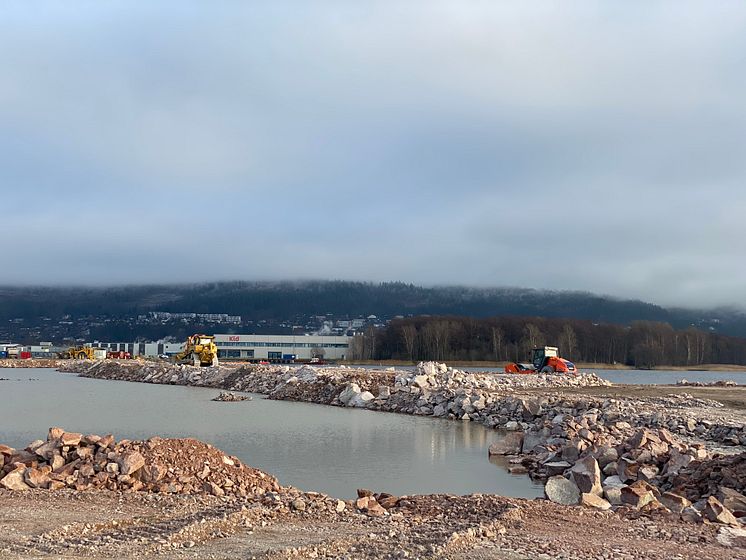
(596, 146)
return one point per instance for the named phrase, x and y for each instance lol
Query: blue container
(288, 356)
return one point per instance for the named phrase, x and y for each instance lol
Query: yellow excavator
(199, 350)
(78, 353)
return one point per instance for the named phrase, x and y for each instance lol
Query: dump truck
(199, 350)
(544, 359)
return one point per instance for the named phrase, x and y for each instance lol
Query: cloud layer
(593, 146)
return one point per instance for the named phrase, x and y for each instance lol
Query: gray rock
(562, 491)
(556, 467)
(510, 444)
(587, 476)
(351, 391)
(674, 502)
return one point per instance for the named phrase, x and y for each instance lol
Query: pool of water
(314, 447)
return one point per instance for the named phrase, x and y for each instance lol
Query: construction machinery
(199, 350)
(78, 353)
(544, 359)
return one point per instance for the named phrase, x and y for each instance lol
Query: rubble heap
(173, 466)
(227, 396)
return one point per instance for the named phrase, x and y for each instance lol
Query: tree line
(642, 344)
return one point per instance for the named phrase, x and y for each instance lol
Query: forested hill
(279, 301)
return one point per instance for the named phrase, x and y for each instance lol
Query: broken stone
(718, 513)
(638, 494)
(674, 502)
(510, 444)
(131, 462)
(36, 478)
(15, 479)
(587, 476)
(560, 490)
(594, 501)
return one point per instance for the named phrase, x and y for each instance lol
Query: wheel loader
(199, 350)
(78, 353)
(543, 360)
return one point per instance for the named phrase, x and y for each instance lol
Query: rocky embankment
(89, 462)
(639, 454)
(32, 363)
(76, 495)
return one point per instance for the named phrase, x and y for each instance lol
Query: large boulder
(351, 391)
(718, 513)
(14, 480)
(361, 400)
(594, 501)
(560, 490)
(734, 501)
(638, 494)
(587, 476)
(131, 462)
(674, 502)
(510, 444)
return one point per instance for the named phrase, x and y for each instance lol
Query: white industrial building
(251, 347)
(282, 347)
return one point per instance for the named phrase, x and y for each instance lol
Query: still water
(314, 447)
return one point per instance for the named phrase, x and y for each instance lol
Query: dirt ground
(732, 398)
(70, 524)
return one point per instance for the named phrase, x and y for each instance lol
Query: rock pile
(613, 466)
(719, 383)
(434, 389)
(86, 462)
(227, 396)
(32, 363)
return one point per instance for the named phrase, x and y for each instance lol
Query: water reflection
(314, 447)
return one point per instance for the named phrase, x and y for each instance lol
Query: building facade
(249, 347)
(282, 347)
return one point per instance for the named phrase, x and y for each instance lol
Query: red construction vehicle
(120, 355)
(543, 360)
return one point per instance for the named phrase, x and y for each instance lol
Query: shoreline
(584, 367)
(564, 436)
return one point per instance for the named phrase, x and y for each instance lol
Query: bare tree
(497, 342)
(568, 341)
(409, 334)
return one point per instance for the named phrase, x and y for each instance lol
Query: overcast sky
(565, 145)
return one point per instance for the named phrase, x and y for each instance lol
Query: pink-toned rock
(214, 489)
(594, 501)
(718, 513)
(152, 473)
(55, 433)
(131, 462)
(106, 442)
(57, 461)
(70, 438)
(7, 451)
(674, 502)
(638, 494)
(56, 485)
(46, 450)
(36, 478)
(90, 439)
(14, 480)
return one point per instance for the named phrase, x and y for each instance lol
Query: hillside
(276, 303)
